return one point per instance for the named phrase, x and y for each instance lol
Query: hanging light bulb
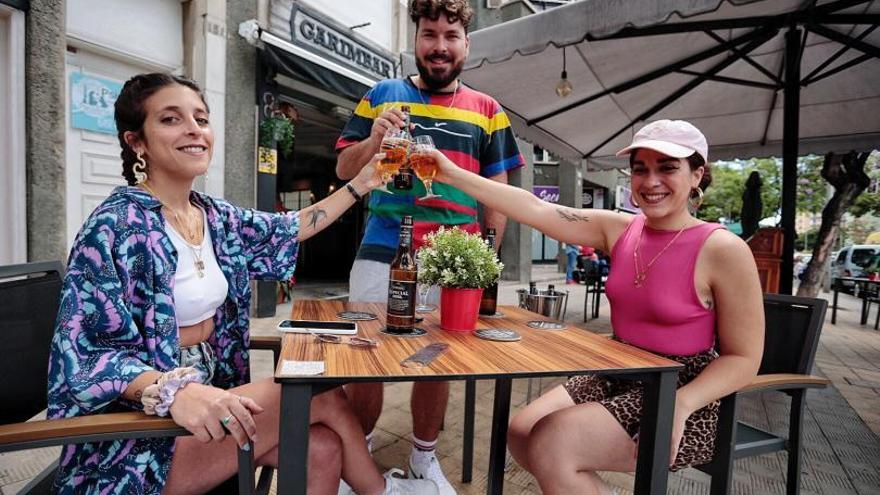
(563, 87)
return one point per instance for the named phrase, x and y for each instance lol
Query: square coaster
(499, 334)
(546, 325)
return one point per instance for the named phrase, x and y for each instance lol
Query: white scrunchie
(158, 397)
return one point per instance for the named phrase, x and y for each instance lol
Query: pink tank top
(665, 314)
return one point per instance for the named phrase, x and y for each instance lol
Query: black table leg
(467, 451)
(498, 443)
(293, 438)
(652, 470)
(834, 306)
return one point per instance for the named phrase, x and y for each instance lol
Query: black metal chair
(29, 298)
(595, 286)
(793, 325)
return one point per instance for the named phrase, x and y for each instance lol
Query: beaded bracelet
(158, 397)
(353, 192)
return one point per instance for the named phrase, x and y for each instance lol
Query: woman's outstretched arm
(591, 227)
(322, 214)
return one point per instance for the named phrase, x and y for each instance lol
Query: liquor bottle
(551, 290)
(404, 178)
(402, 283)
(533, 288)
(489, 302)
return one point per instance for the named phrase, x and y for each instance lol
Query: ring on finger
(227, 420)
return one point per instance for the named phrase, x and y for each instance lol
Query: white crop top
(197, 292)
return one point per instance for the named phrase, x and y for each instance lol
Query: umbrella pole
(790, 136)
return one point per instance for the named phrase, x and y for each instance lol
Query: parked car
(852, 261)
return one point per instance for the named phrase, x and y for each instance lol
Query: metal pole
(790, 138)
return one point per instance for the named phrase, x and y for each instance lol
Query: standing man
(472, 130)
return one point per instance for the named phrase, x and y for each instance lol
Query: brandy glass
(395, 145)
(423, 163)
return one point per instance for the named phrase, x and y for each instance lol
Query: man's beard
(438, 82)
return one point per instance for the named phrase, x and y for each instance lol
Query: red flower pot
(458, 308)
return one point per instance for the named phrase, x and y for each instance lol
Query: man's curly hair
(455, 10)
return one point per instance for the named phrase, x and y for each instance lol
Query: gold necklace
(642, 273)
(451, 103)
(190, 237)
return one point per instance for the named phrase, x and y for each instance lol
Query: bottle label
(401, 302)
(489, 301)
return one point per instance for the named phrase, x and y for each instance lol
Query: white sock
(369, 439)
(422, 450)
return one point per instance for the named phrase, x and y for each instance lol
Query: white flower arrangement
(455, 258)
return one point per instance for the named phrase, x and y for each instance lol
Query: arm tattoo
(572, 215)
(138, 395)
(709, 303)
(315, 216)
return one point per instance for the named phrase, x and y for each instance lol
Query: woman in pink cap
(677, 286)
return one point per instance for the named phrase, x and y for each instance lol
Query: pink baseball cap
(675, 138)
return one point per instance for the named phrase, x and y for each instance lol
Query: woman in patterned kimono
(154, 317)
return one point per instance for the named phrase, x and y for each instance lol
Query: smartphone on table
(313, 326)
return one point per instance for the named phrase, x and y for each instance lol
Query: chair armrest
(267, 343)
(97, 427)
(782, 381)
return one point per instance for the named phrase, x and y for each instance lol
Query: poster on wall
(547, 193)
(593, 197)
(91, 102)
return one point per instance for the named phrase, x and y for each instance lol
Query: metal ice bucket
(551, 305)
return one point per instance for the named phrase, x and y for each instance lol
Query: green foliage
(724, 197)
(805, 241)
(280, 129)
(868, 203)
(455, 258)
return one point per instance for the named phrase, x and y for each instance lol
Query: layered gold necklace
(642, 272)
(192, 234)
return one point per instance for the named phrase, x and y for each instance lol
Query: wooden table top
(539, 353)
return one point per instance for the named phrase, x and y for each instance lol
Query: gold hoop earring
(632, 200)
(140, 169)
(699, 199)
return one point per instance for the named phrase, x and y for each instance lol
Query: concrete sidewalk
(842, 431)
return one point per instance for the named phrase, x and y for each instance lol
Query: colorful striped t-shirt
(467, 126)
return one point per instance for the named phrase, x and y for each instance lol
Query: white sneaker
(427, 467)
(403, 486)
(344, 489)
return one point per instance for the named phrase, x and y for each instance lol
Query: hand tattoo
(572, 215)
(708, 303)
(315, 216)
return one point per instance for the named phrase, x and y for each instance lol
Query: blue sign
(91, 102)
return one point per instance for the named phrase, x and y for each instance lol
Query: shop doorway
(308, 176)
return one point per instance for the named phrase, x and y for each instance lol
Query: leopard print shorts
(623, 398)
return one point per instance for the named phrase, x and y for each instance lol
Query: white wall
(13, 197)
(148, 32)
(379, 13)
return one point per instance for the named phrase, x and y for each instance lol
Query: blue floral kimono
(116, 321)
